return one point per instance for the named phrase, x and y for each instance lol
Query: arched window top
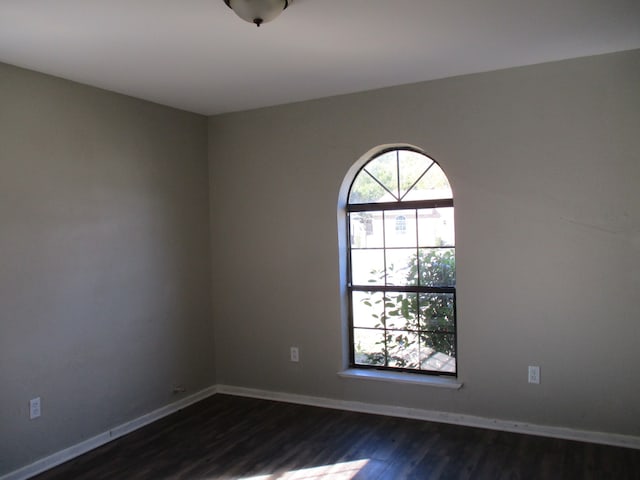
(399, 175)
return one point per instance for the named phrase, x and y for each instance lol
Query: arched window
(401, 265)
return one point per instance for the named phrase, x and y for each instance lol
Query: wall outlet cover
(534, 374)
(34, 408)
(294, 354)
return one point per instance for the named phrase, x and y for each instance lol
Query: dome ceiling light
(257, 11)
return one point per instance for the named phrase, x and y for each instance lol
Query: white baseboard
(613, 439)
(67, 454)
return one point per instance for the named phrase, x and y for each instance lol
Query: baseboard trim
(85, 446)
(613, 439)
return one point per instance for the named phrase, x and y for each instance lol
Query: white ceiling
(198, 56)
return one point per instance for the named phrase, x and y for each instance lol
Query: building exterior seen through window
(401, 276)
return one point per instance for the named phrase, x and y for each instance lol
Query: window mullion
(405, 205)
(402, 288)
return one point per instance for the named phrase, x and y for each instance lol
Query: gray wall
(545, 168)
(104, 261)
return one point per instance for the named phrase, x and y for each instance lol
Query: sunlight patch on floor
(338, 471)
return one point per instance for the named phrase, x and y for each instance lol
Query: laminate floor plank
(226, 437)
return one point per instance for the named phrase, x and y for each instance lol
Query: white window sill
(401, 377)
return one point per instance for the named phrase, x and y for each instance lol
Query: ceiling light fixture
(257, 11)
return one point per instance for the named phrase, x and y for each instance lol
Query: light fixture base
(257, 11)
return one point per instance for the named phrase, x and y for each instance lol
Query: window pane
(403, 349)
(366, 229)
(401, 310)
(367, 267)
(437, 352)
(368, 346)
(437, 267)
(433, 185)
(401, 266)
(400, 228)
(368, 309)
(412, 166)
(366, 190)
(437, 312)
(436, 227)
(385, 169)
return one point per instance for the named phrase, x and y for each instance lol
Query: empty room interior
(197, 209)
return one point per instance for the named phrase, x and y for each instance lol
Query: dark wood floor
(226, 437)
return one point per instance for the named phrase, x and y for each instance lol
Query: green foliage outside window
(416, 326)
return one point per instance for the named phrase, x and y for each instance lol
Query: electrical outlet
(34, 408)
(294, 354)
(534, 374)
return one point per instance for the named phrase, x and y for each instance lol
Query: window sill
(401, 377)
